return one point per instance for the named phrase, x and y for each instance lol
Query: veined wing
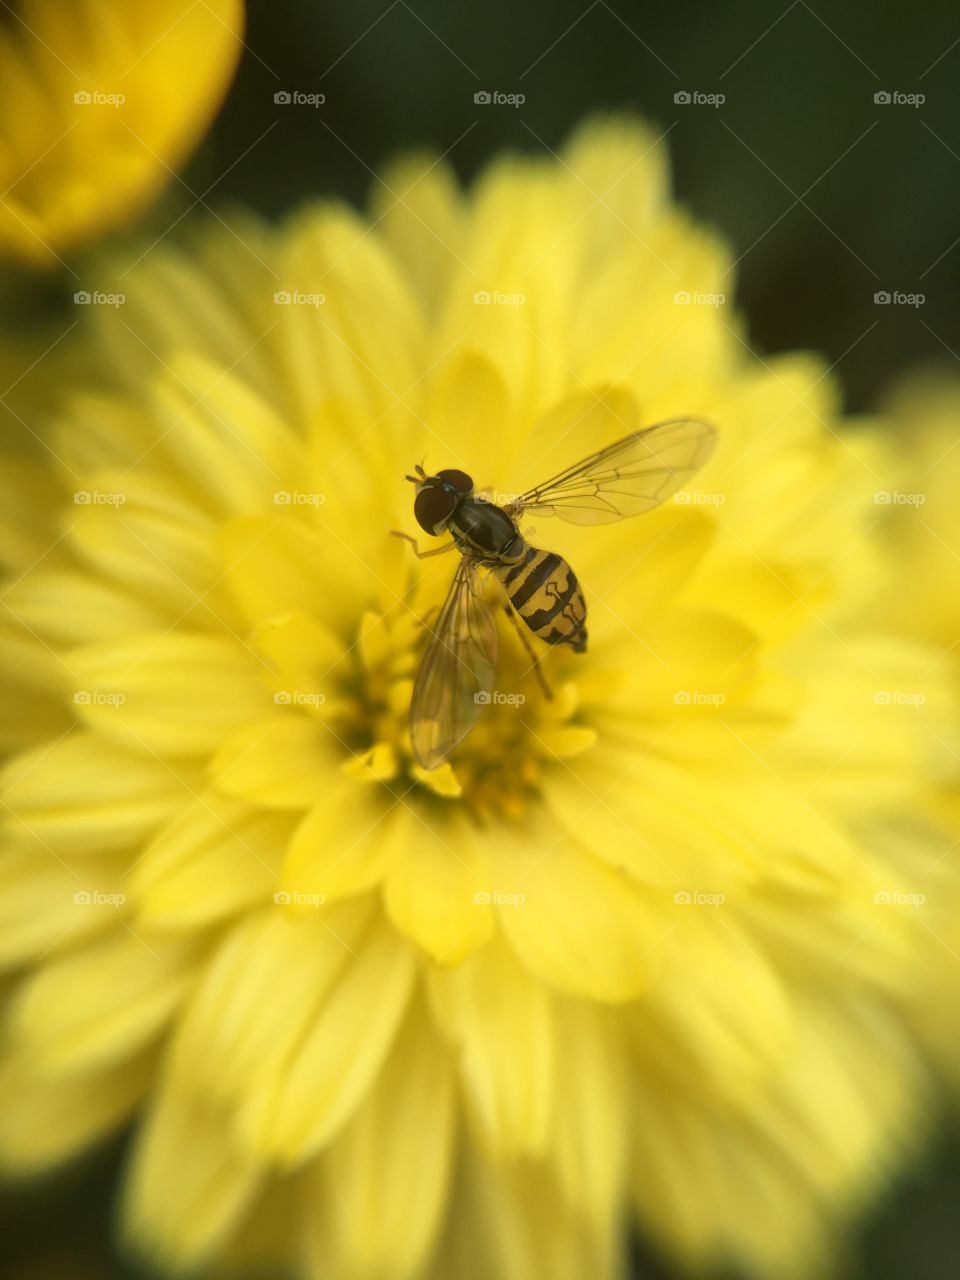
(456, 674)
(627, 478)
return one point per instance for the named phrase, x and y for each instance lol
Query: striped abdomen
(544, 591)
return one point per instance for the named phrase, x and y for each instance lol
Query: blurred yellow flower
(625, 957)
(922, 539)
(102, 100)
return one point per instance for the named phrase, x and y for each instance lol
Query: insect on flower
(627, 478)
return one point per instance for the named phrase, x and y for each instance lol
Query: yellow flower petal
(278, 762)
(40, 1127)
(500, 1022)
(39, 909)
(105, 121)
(100, 1004)
(29, 491)
(342, 846)
(555, 901)
(420, 209)
(384, 1221)
(227, 442)
(181, 693)
(291, 1118)
(70, 607)
(141, 536)
(512, 1223)
(214, 859)
(81, 794)
(437, 887)
(259, 997)
(742, 1027)
(187, 1189)
(278, 566)
(590, 1143)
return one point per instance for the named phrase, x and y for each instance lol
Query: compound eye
(433, 507)
(459, 479)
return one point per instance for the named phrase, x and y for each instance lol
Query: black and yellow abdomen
(544, 591)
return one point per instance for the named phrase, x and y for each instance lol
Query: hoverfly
(627, 478)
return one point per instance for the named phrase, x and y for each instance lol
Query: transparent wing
(628, 478)
(456, 675)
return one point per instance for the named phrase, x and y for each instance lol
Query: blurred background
(822, 141)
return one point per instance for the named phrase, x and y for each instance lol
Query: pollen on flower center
(497, 769)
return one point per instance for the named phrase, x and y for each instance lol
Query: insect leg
(531, 652)
(422, 555)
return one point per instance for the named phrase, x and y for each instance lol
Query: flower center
(497, 769)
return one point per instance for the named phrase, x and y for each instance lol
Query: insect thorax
(486, 531)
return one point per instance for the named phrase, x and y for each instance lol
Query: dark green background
(799, 96)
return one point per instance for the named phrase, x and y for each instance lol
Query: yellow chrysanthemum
(922, 536)
(102, 100)
(625, 955)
